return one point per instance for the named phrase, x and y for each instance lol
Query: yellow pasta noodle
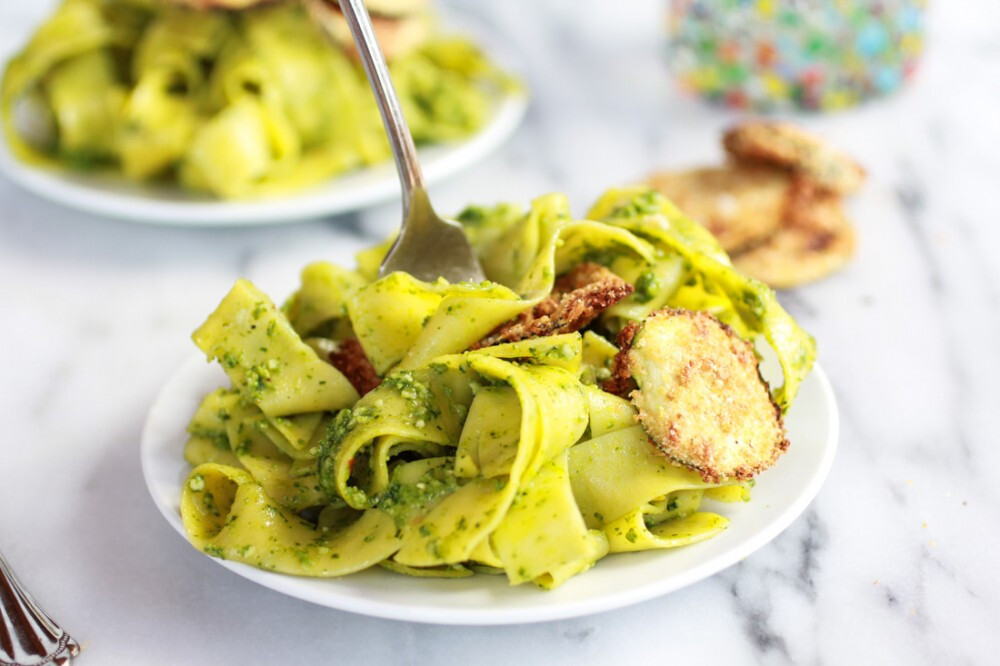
(228, 515)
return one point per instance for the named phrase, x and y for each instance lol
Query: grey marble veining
(895, 561)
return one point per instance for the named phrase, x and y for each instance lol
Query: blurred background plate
(112, 196)
(779, 497)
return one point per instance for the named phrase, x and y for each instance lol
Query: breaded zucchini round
(700, 395)
(816, 240)
(741, 205)
(806, 155)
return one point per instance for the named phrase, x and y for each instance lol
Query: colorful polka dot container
(779, 54)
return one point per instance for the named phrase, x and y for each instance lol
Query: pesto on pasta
(235, 104)
(440, 429)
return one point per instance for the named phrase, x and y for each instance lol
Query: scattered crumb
(909, 482)
(923, 525)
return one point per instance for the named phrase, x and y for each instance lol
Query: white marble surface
(895, 562)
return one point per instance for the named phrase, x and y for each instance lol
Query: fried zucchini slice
(740, 205)
(700, 396)
(816, 240)
(789, 147)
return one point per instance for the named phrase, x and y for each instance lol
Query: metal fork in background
(29, 637)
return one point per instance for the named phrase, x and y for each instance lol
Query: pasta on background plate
(234, 104)
(508, 427)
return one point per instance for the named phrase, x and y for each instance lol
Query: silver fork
(29, 637)
(428, 246)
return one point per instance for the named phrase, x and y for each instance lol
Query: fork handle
(403, 150)
(29, 637)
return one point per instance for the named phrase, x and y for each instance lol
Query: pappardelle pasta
(510, 427)
(236, 104)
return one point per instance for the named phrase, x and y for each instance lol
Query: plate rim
(334, 196)
(430, 614)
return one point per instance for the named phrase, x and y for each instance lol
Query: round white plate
(781, 494)
(112, 196)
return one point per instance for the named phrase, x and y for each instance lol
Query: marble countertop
(894, 562)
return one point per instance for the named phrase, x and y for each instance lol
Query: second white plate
(781, 494)
(112, 196)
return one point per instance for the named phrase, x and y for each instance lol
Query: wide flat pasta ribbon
(632, 532)
(543, 537)
(228, 515)
(619, 471)
(77, 28)
(553, 416)
(265, 358)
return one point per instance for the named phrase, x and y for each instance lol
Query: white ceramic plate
(112, 196)
(781, 494)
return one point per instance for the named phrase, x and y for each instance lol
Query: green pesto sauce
(417, 394)
(605, 255)
(326, 452)
(339, 428)
(646, 287)
(474, 215)
(258, 378)
(645, 203)
(196, 483)
(219, 438)
(208, 501)
(402, 500)
(231, 359)
(355, 495)
(561, 352)
(753, 302)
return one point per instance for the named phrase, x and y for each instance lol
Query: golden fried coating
(576, 300)
(740, 204)
(700, 396)
(620, 383)
(804, 154)
(816, 240)
(350, 359)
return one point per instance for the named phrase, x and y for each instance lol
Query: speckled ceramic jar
(813, 54)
